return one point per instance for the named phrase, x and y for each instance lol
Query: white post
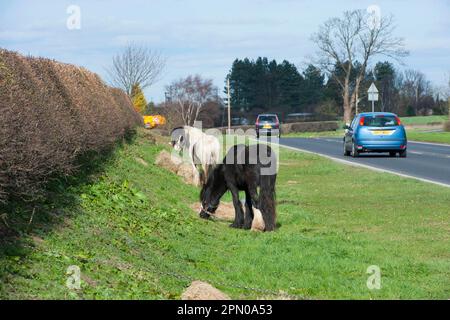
(229, 106)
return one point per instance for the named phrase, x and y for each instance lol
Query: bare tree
(448, 98)
(445, 93)
(415, 87)
(356, 37)
(136, 65)
(190, 95)
(442, 93)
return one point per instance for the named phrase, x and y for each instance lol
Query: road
(429, 162)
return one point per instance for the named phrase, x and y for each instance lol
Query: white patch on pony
(198, 149)
(258, 221)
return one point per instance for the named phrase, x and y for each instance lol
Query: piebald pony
(198, 147)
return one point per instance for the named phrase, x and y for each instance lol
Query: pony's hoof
(204, 215)
(236, 226)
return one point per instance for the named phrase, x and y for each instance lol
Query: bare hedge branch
(51, 114)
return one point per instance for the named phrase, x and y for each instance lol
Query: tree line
(333, 85)
(267, 86)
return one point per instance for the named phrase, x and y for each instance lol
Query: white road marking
(431, 143)
(351, 163)
(410, 151)
(329, 140)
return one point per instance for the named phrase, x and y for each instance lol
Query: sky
(205, 36)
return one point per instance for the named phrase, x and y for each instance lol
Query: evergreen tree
(333, 89)
(290, 83)
(384, 73)
(138, 99)
(150, 108)
(265, 85)
(313, 87)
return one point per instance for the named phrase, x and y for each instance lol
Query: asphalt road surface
(425, 161)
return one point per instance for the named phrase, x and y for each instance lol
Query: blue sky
(205, 36)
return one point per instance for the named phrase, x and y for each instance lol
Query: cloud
(204, 36)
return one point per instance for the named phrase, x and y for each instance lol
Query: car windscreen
(380, 121)
(267, 119)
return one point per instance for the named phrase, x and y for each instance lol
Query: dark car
(268, 125)
(375, 132)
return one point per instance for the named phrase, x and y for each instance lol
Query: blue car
(375, 132)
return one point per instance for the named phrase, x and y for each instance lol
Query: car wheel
(403, 154)
(346, 152)
(355, 152)
(392, 154)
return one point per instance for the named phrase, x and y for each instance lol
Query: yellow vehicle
(151, 122)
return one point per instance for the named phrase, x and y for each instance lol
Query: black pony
(244, 168)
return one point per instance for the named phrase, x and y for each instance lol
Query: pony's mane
(177, 128)
(213, 168)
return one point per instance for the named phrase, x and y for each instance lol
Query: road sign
(372, 94)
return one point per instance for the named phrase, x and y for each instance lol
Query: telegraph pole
(229, 105)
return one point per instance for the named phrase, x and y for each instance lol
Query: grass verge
(131, 232)
(424, 120)
(437, 137)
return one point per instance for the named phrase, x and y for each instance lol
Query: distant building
(299, 117)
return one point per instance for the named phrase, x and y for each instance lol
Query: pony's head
(212, 191)
(177, 138)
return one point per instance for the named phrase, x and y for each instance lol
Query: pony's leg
(253, 193)
(204, 174)
(248, 219)
(197, 177)
(239, 213)
(195, 172)
(267, 202)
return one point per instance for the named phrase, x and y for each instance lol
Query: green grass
(424, 120)
(130, 229)
(438, 137)
(337, 133)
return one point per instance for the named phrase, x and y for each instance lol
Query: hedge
(51, 114)
(296, 127)
(309, 127)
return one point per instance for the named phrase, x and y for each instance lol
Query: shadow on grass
(23, 224)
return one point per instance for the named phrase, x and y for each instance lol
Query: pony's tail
(267, 201)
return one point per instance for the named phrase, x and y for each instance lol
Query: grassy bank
(424, 120)
(130, 230)
(437, 137)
